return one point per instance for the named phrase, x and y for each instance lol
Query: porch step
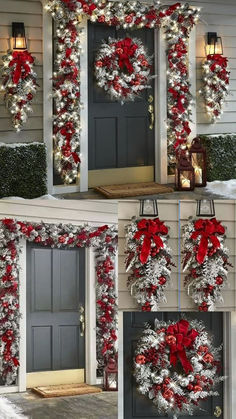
(66, 390)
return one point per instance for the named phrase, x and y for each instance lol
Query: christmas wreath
(215, 84)
(20, 85)
(176, 366)
(149, 257)
(122, 68)
(206, 259)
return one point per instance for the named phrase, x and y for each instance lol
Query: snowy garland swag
(122, 68)
(149, 258)
(206, 260)
(20, 85)
(215, 84)
(103, 239)
(177, 22)
(176, 366)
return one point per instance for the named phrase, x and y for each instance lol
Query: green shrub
(23, 170)
(221, 156)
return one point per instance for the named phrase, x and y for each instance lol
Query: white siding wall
(29, 12)
(225, 212)
(168, 212)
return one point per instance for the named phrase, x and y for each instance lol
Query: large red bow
(208, 231)
(125, 49)
(151, 230)
(179, 337)
(22, 69)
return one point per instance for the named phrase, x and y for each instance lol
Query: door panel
(137, 405)
(119, 135)
(55, 290)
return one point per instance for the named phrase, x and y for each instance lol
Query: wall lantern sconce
(214, 44)
(148, 208)
(205, 208)
(18, 36)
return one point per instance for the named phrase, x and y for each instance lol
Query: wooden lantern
(198, 158)
(184, 175)
(111, 375)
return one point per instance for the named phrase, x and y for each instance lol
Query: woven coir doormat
(133, 189)
(66, 390)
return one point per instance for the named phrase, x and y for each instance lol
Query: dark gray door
(55, 291)
(119, 135)
(137, 405)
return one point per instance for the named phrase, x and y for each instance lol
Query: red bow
(151, 230)
(217, 59)
(22, 69)
(125, 49)
(178, 338)
(207, 230)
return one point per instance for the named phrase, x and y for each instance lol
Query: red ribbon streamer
(151, 230)
(21, 59)
(182, 338)
(208, 231)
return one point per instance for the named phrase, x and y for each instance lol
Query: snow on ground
(8, 410)
(14, 198)
(226, 188)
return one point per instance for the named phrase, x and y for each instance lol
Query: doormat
(66, 390)
(133, 189)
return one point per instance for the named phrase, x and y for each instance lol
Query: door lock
(151, 115)
(81, 320)
(217, 412)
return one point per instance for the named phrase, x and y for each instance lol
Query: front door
(121, 138)
(55, 302)
(137, 405)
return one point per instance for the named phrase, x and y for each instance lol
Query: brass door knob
(217, 412)
(81, 320)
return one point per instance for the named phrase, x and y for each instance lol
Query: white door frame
(160, 88)
(90, 321)
(229, 342)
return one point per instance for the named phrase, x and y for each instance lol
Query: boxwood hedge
(221, 156)
(23, 170)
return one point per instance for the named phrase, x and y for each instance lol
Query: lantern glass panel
(185, 179)
(112, 381)
(198, 165)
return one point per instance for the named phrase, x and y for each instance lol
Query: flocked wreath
(20, 85)
(149, 258)
(206, 260)
(122, 68)
(176, 366)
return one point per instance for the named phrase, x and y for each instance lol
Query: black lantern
(205, 208)
(184, 175)
(18, 35)
(148, 208)
(198, 159)
(111, 375)
(214, 44)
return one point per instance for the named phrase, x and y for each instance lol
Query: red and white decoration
(176, 20)
(149, 259)
(215, 84)
(20, 85)
(122, 68)
(103, 239)
(206, 260)
(176, 366)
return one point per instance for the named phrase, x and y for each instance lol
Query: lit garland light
(149, 258)
(176, 366)
(206, 260)
(176, 20)
(19, 84)
(122, 68)
(215, 84)
(103, 239)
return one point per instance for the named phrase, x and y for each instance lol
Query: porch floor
(198, 193)
(89, 406)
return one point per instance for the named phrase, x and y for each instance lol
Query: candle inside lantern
(185, 183)
(198, 174)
